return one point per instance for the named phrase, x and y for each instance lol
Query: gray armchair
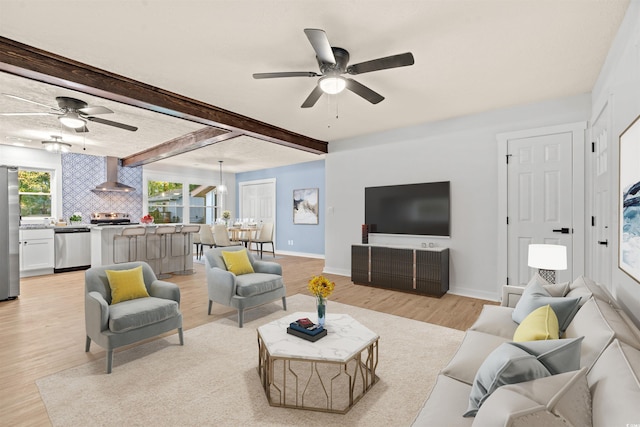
(246, 290)
(113, 326)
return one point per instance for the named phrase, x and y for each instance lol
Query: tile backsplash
(81, 173)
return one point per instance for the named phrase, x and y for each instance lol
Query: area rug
(213, 381)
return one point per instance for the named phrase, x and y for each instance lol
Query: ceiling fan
(72, 113)
(333, 63)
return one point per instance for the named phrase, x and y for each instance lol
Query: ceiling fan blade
(285, 74)
(395, 61)
(320, 43)
(28, 114)
(313, 97)
(91, 110)
(360, 89)
(110, 123)
(30, 101)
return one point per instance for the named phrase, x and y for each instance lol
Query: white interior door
(539, 195)
(600, 238)
(258, 200)
(547, 201)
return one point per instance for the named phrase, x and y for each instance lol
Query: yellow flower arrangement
(321, 287)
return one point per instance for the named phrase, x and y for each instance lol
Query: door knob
(564, 230)
(605, 243)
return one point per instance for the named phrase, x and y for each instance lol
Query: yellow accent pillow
(126, 284)
(237, 262)
(540, 324)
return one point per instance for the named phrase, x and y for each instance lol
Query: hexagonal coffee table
(328, 375)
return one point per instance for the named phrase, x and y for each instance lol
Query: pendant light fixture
(56, 145)
(222, 189)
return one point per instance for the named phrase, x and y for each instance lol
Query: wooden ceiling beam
(36, 64)
(182, 144)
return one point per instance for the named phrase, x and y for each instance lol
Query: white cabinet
(37, 253)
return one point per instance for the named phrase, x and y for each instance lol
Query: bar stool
(186, 231)
(128, 233)
(162, 231)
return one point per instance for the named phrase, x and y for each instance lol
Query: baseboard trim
(472, 293)
(300, 254)
(337, 271)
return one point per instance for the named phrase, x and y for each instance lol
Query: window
(165, 201)
(202, 204)
(35, 193)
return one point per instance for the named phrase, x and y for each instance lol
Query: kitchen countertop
(53, 227)
(35, 226)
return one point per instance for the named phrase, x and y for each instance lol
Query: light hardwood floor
(42, 332)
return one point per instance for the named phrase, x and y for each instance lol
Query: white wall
(619, 82)
(461, 150)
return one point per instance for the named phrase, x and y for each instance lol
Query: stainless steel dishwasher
(72, 249)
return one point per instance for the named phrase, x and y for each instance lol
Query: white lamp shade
(548, 257)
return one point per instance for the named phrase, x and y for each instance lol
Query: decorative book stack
(306, 329)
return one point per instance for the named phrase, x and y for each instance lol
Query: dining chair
(249, 233)
(196, 241)
(265, 235)
(206, 238)
(221, 236)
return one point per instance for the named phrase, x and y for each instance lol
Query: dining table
(242, 234)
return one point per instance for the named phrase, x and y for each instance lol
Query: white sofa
(604, 392)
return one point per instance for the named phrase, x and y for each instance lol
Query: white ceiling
(470, 56)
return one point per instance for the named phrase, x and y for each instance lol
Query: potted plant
(76, 218)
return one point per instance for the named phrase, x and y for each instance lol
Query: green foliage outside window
(34, 189)
(165, 201)
(157, 188)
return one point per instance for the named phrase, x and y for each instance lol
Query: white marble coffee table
(328, 375)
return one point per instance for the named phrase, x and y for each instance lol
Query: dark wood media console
(421, 271)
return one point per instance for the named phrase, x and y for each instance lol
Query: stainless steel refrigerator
(9, 238)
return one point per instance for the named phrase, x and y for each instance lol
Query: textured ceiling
(470, 56)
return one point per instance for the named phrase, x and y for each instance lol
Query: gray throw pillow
(557, 356)
(513, 363)
(554, 289)
(535, 296)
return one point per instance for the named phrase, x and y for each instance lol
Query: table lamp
(547, 259)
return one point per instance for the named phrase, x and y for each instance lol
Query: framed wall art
(305, 206)
(629, 203)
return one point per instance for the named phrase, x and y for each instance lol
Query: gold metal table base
(317, 385)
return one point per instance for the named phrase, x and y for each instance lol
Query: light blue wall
(307, 239)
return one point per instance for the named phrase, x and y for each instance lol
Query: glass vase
(322, 310)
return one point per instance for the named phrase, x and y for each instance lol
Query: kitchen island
(172, 253)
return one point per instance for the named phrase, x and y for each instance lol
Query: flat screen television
(419, 209)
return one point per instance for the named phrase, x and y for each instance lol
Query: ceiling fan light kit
(332, 62)
(332, 84)
(72, 120)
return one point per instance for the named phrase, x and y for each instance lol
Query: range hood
(112, 184)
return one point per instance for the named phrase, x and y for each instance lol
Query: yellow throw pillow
(540, 324)
(237, 262)
(126, 284)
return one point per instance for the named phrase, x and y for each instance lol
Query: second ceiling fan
(333, 64)
(72, 113)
